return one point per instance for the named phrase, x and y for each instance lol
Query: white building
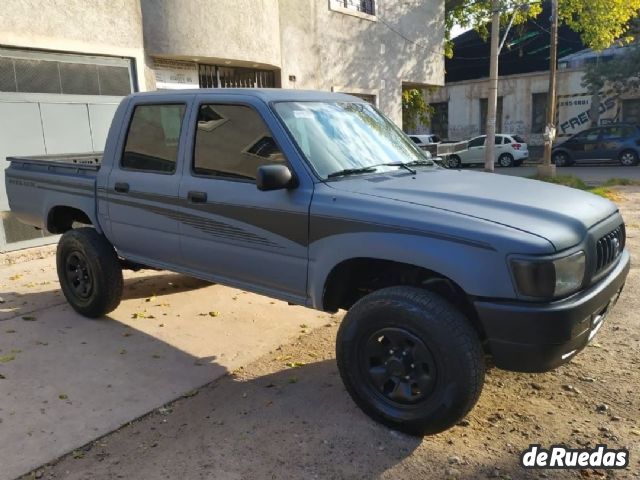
(66, 64)
(461, 107)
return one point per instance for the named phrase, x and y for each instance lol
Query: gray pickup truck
(317, 199)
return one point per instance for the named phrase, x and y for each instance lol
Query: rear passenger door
(142, 190)
(230, 231)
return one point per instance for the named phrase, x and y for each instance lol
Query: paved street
(66, 380)
(591, 174)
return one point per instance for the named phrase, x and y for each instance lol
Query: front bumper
(533, 337)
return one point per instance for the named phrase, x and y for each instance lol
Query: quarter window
(232, 141)
(153, 137)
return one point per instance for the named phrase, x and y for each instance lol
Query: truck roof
(265, 94)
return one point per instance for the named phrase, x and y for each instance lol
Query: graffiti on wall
(515, 127)
(463, 131)
(574, 112)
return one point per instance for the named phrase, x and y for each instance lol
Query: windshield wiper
(416, 163)
(399, 164)
(351, 171)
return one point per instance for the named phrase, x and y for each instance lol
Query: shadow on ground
(158, 284)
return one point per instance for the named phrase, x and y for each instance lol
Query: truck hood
(561, 215)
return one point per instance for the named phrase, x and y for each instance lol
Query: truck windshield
(348, 138)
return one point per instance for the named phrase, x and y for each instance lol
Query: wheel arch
(61, 218)
(353, 278)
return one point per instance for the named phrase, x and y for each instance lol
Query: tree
(414, 109)
(599, 22)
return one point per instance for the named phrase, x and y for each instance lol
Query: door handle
(121, 187)
(197, 197)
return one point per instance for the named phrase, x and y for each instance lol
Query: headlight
(549, 278)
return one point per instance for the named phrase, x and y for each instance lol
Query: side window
(415, 139)
(498, 140)
(587, 136)
(477, 142)
(232, 141)
(153, 137)
(507, 140)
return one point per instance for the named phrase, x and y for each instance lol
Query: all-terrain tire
(89, 272)
(434, 391)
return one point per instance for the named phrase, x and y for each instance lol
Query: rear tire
(628, 158)
(89, 272)
(410, 360)
(454, 161)
(505, 160)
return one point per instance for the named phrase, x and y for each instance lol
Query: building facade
(461, 107)
(66, 64)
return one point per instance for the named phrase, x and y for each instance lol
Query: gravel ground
(287, 415)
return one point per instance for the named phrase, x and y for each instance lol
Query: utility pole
(492, 100)
(546, 169)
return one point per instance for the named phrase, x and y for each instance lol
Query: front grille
(610, 247)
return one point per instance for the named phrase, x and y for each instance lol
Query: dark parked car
(620, 141)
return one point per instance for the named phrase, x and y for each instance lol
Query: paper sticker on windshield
(302, 114)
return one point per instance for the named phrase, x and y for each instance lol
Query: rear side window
(477, 142)
(153, 137)
(232, 141)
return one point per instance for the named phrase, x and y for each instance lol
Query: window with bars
(50, 73)
(215, 76)
(363, 6)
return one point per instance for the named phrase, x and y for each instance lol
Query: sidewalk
(66, 380)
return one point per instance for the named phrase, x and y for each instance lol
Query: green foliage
(477, 13)
(414, 109)
(602, 190)
(622, 73)
(599, 22)
(566, 180)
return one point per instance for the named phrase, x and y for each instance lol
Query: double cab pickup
(317, 199)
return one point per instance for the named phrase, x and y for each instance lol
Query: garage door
(54, 103)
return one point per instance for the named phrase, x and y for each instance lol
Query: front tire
(561, 159)
(410, 360)
(89, 272)
(454, 161)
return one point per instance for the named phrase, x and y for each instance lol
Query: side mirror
(274, 177)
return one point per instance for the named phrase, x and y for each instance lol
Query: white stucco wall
(111, 27)
(331, 50)
(237, 30)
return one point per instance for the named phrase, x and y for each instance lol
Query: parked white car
(424, 141)
(511, 151)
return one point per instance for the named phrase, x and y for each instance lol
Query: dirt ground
(287, 415)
